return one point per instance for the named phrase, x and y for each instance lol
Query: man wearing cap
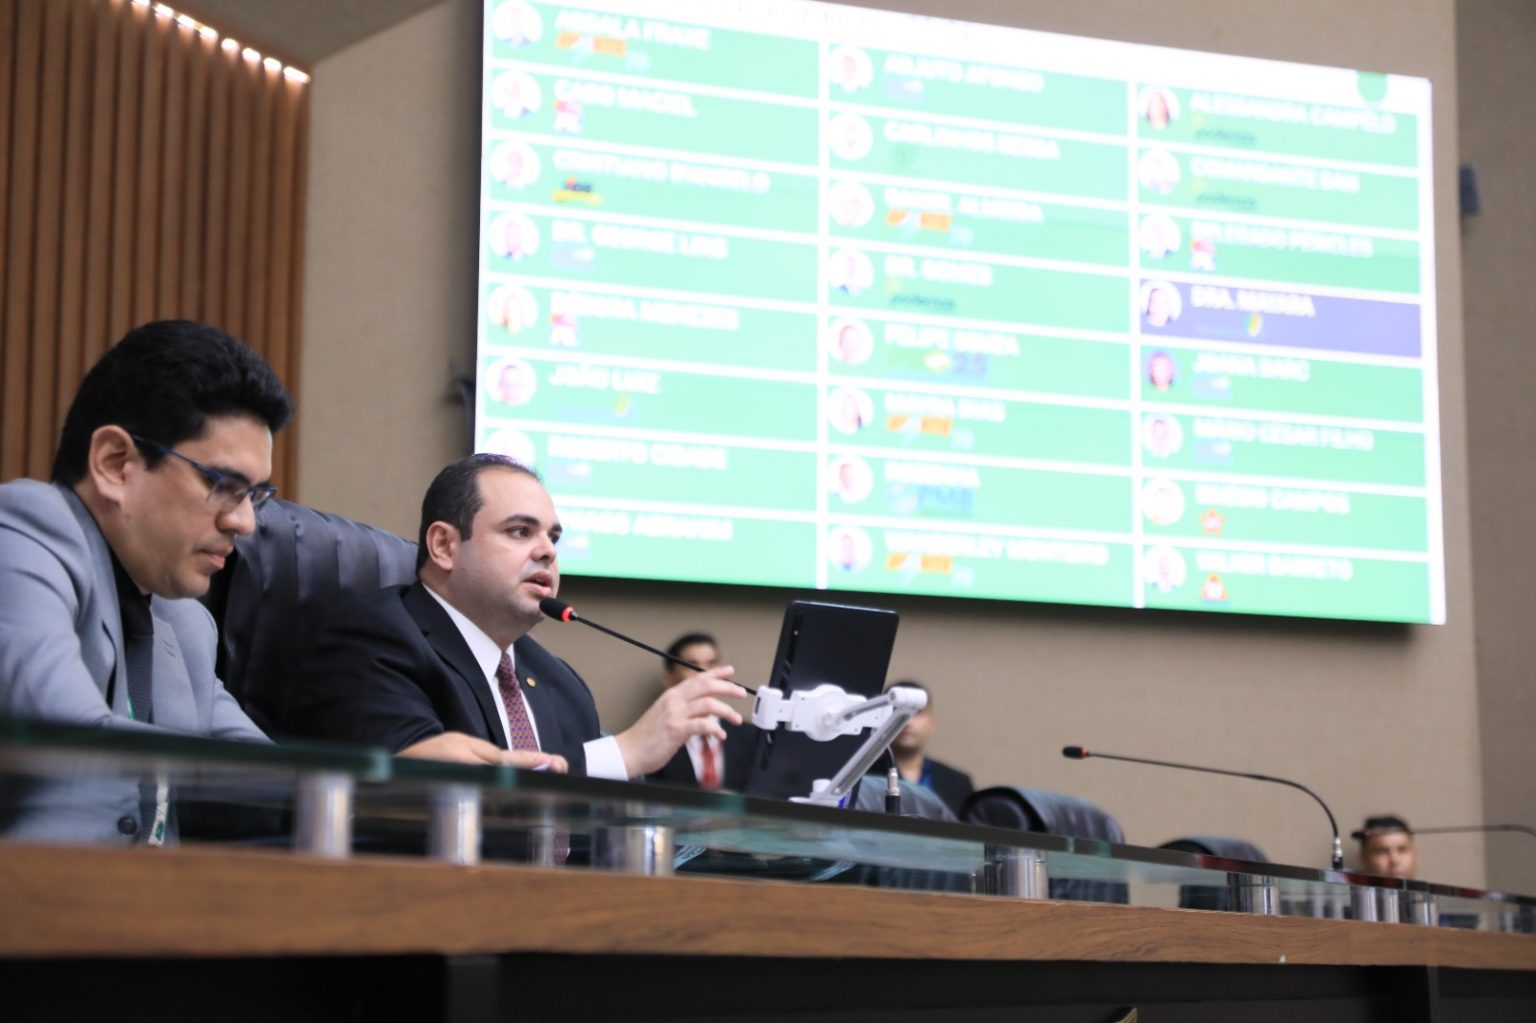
(1386, 847)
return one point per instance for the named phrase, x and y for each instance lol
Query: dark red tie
(520, 733)
(709, 764)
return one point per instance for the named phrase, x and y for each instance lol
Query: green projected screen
(796, 294)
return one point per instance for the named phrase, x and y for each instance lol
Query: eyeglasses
(228, 490)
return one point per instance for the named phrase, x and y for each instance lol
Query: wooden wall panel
(124, 167)
(147, 171)
(194, 186)
(7, 80)
(94, 333)
(237, 225)
(17, 295)
(49, 206)
(260, 205)
(73, 245)
(149, 121)
(221, 77)
(173, 176)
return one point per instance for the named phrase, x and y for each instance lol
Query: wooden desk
(273, 935)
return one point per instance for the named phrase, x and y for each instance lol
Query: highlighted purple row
(1291, 319)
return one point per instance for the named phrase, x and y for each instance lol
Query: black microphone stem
(589, 623)
(1522, 828)
(1338, 844)
(635, 642)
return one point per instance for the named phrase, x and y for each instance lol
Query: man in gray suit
(166, 452)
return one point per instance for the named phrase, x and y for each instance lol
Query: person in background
(1386, 847)
(705, 761)
(909, 748)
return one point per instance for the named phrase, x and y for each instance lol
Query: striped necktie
(520, 733)
(709, 763)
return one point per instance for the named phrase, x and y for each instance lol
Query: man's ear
(110, 460)
(443, 545)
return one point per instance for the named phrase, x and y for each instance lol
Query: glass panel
(62, 784)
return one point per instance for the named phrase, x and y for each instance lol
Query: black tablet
(819, 642)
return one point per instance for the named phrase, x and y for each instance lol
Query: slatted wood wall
(147, 170)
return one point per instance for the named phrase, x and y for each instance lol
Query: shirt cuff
(604, 759)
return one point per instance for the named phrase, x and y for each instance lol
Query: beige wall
(1377, 718)
(389, 284)
(1496, 39)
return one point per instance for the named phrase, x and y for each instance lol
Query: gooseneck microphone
(560, 611)
(1080, 753)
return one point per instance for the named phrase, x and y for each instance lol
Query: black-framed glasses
(227, 489)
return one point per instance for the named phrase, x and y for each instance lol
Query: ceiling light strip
(229, 45)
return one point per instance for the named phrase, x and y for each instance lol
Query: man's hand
(688, 708)
(458, 748)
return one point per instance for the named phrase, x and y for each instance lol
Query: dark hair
(685, 640)
(454, 496)
(162, 381)
(909, 684)
(1385, 825)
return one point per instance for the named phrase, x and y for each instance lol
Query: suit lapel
(109, 612)
(446, 640)
(174, 704)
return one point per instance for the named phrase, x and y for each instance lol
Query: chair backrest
(1200, 896)
(1218, 845)
(1051, 813)
(282, 584)
(916, 801)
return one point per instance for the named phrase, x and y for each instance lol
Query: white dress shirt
(604, 760)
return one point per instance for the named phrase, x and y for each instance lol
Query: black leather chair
(916, 801)
(1051, 813)
(1199, 896)
(282, 583)
(1216, 845)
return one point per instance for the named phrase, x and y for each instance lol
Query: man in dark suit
(444, 668)
(917, 767)
(704, 762)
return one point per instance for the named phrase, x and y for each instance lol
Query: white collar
(482, 647)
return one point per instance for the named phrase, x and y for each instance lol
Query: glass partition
(61, 784)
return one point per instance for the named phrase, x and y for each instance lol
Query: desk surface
(93, 902)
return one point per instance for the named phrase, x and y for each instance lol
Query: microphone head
(1075, 753)
(557, 609)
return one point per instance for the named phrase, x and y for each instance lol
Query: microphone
(560, 611)
(1080, 753)
(1524, 829)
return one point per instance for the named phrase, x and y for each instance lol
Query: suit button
(127, 826)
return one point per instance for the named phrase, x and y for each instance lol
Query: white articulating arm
(826, 712)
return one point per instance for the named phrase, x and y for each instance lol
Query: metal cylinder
(1018, 873)
(1253, 893)
(322, 814)
(1420, 908)
(1375, 905)
(453, 829)
(645, 849)
(1364, 905)
(544, 846)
